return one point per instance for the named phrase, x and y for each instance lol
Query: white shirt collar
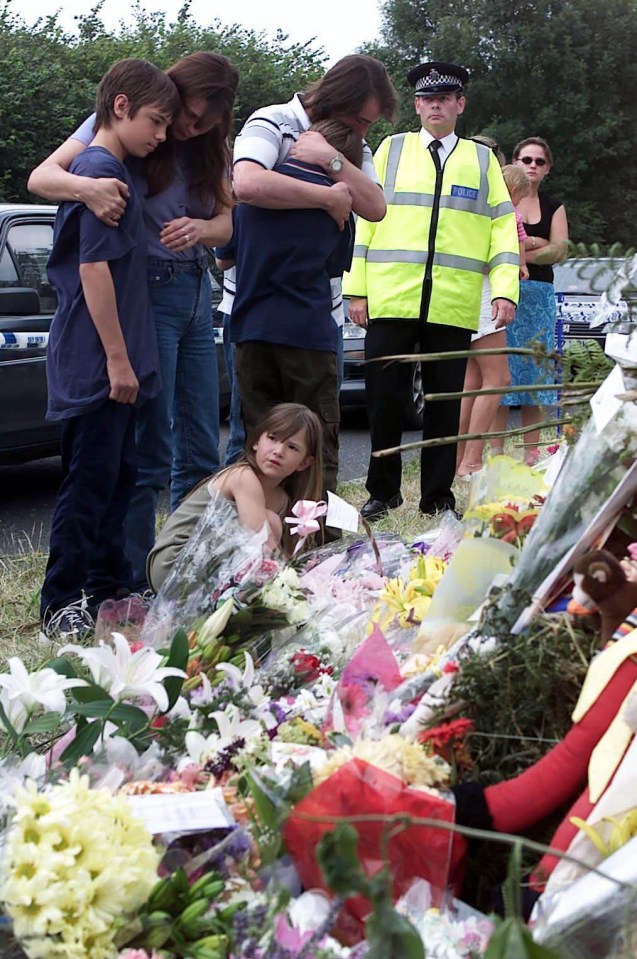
(448, 142)
(298, 110)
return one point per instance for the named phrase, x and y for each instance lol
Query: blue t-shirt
(284, 262)
(175, 201)
(75, 361)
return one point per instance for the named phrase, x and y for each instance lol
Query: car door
(25, 245)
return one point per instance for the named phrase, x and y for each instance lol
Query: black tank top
(548, 206)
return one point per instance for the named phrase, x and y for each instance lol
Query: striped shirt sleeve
(260, 140)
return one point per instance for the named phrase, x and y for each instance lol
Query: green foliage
(584, 361)
(561, 69)
(513, 940)
(50, 76)
(388, 934)
(521, 696)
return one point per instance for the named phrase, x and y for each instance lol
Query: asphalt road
(27, 492)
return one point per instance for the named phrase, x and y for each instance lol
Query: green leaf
(513, 940)
(87, 694)
(42, 724)
(267, 812)
(63, 666)
(337, 855)
(117, 712)
(391, 936)
(83, 743)
(177, 659)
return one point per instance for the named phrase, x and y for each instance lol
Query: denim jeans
(237, 437)
(178, 431)
(87, 534)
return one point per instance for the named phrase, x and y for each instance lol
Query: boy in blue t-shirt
(286, 337)
(102, 358)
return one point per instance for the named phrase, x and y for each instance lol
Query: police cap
(429, 79)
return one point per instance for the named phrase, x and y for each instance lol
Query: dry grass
(21, 577)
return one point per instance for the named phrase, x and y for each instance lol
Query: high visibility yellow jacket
(439, 234)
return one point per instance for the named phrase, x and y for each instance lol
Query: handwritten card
(340, 514)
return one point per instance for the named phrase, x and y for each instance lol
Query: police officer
(416, 278)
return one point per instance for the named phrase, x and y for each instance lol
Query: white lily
(14, 711)
(216, 622)
(255, 693)
(234, 674)
(201, 695)
(231, 727)
(127, 675)
(30, 690)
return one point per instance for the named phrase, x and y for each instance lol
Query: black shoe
(375, 508)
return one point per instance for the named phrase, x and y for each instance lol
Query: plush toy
(580, 767)
(602, 583)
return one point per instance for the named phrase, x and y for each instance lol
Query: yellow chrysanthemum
(78, 863)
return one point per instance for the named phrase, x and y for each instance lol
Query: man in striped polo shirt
(357, 91)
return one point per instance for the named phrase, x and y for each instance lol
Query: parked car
(27, 305)
(579, 283)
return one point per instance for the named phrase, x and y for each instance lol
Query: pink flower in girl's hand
(632, 551)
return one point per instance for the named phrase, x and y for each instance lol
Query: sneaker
(71, 623)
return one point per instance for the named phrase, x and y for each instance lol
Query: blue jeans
(178, 431)
(237, 437)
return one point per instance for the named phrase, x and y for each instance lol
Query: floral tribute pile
(268, 770)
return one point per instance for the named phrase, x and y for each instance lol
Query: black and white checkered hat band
(435, 79)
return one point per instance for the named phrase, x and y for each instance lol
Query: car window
(30, 244)
(8, 272)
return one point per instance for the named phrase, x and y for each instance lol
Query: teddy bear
(604, 584)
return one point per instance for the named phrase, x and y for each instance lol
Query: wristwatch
(336, 163)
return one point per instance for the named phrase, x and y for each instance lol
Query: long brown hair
(211, 77)
(283, 421)
(347, 85)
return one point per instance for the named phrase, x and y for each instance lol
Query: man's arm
(368, 199)
(99, 293)
(105, 197)
(275, 191)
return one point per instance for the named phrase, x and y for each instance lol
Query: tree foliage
(49, 76)
(561, 69)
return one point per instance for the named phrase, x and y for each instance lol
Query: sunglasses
(527, 161)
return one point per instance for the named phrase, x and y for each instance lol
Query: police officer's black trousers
(388, 387)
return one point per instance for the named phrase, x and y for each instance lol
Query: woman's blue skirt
(534, 321)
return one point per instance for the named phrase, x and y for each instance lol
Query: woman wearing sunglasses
(546, 243)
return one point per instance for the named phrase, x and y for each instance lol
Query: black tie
(434, 146)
